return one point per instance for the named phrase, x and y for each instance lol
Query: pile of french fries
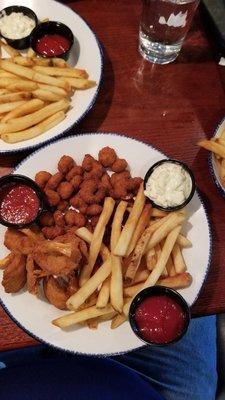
(35, 93)
(144, 251)
(217, 146)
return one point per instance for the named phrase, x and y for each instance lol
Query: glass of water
(164, 25)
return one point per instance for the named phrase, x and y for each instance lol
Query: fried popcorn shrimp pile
(33, 260)
(76, 193)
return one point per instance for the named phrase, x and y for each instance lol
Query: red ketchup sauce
(19, 204)
(160, 319)
(52, 45)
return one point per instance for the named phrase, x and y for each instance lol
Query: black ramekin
(51, 28)
(186, 168)
(162, 291)
(22, 43)
(21, 179)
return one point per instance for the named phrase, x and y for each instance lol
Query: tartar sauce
(16, 25)
(169, 185)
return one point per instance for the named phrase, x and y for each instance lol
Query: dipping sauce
(160, 319)
(16, 25)
(19, 204)
(52, 45)
(169, 185)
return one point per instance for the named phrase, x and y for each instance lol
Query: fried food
(14, 275)
(33, 276)
(107, 156)
(58, 290)
(16, 241)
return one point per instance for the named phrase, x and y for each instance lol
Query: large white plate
(35, 315)
(86, 53)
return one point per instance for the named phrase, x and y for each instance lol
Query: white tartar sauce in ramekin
(16, 25)
(169, 185)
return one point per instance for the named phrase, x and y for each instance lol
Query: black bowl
(152, 291)
(22, 43)
(21, 179)
(51, 28)
(190, 173)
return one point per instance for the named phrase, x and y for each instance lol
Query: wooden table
(170, 106)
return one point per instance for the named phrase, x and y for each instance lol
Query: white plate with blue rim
(35, 315)
(86, 54)
(212, 161)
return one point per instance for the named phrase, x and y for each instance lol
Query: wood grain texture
(170, 106)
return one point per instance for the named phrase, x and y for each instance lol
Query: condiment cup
(190, 173)
(22, 43)
(51, 28)
(158, 291)
(23, 180)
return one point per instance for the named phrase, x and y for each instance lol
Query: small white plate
(35, 315)
(212, 163)
(86, 54)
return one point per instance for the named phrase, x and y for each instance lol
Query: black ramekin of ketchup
(21, 201)
(52, 39)
(159, 315)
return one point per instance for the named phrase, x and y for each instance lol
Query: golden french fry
(178, 259)
(183, 241)
(32, 75)
(141, 276)
(66, 72)
(92, 323)
(27, 108)
(118, 320)
(129, 227)
(61, 92)
(80, 83)
(11, 97)
(213, 146)
(151, 259)
(103, 296)
(5, 74)
(137, 255)
(131, 291)
(117, 223)
(170, 269)
(26, 62)
(97, 239)
(90, 286)
(44, 62)
(21, 85)
(158, 213)
(6, 82)
(22, 123)
(158, 235)
(9, 50)
(31, 53)
(222, 135)
(36, 130)
(3, 91)
(59, 62)
(107, 317)
(141, 225)
(116, 284)
(46, 95)
(81, 316)
(87, 236)
(6, 107)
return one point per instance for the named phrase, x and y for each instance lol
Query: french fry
(129, 227)
(6, 82)
(92, 323)
(158, 213)
(48, 123)
(3, 91)
(31, 53)
(178, 259)
(183, 241)
(151, 259)
(11, 97)
(137, 255)
(67, 72)
(213, 146)
(163, 230)
(46, 95)
(87, 236)
(59, 62)
(97, 239)
(22, 123)
(4, 74)
(118, 320)
(103, 296)
(32, 75)
(22, 85)
(61, 92)
(117, 223)
(26, 62)
(9, 50)
(6, 107)
(81, 316)
(90, 286)
(27, 108)
(141, 225)
(79, 83)
(44, 62)
(170, 269)
(141, 276)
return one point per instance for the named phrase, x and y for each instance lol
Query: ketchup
(160, 319)
(52, 45)
(19, 204)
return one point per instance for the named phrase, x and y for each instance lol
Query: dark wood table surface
(170, 106)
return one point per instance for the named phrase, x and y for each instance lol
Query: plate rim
(90, 106)
(210, 162)
(33, 335)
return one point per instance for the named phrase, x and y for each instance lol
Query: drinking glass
(163, 27)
